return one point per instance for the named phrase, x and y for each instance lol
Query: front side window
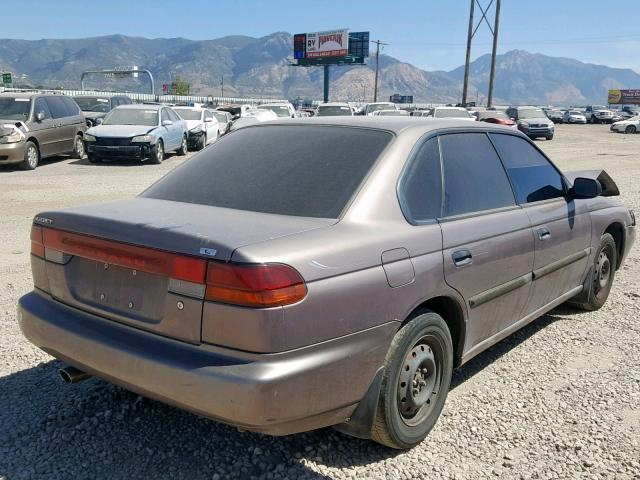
(421, 188)
(534, 178)
(174, 117)
(474, 177)
(58, 107)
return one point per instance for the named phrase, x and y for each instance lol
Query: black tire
(604, 271)
(182, 151)
(78, 147)
(549, 137)
(630, 129)
(31, 156)
(157, 153)
(415, 382)
(93, 159)
(202, 142)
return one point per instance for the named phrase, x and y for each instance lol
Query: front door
(561, 226)
(487, 238)
(43, 130)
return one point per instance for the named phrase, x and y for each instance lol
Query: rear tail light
(248, 285)
(37, 244)
(256, 286)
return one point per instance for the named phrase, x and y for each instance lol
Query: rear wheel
(31, 156)
(630, 129)
(549, 137)
(157, 152)
(415, 383)
(78, 147)
(202, 142)
(604, 269)
(183, 146)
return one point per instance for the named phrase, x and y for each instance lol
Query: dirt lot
(559, 399)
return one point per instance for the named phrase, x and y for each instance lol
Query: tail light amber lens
(256, 286)
(37, 244)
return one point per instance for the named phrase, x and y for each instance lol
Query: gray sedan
(331, 271)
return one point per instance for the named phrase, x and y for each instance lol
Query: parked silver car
(137, 132)
(328, 271)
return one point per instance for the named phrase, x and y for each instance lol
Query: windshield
(485, 115)
(279, 110)
(599, 107)
(220, 116)
(575, 112)
(451, 113)
(93, 104)
(188, 114)
(380, 106)
(333, 111)
(531, 113)
(15, 108)
(308, 171)
(132, 116)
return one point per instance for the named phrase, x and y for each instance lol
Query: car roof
(193, 109)
(393, 124)
(334, 104)
(22, 94)
(142, 106)
(450, 108)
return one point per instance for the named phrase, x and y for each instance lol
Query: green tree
(180, 86)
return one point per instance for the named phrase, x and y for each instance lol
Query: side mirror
(167, 123)
(98, 121)
(40, 116)
(585, 188)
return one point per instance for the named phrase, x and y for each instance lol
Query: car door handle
(543, 233)
(462, 258)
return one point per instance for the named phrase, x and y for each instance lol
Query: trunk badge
(102, 296)
(130, 304)
(180, 305)
(211, 252)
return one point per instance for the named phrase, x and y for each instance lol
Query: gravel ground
(558, 399)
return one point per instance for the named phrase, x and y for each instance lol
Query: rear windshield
(333, 111)
(446, 113)
(93, 104)
(279, 110)
(308, 171)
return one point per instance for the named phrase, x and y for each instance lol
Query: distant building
(397, 98)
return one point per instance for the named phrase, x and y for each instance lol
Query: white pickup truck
(598, 114)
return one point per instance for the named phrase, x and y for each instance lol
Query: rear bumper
(278, 394)
(136, 152)
(11, 153)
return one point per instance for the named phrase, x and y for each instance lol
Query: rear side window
(534, 178)
(421, 188)
(474, 177)
(58, 107)
(72, 107)
(308, 171)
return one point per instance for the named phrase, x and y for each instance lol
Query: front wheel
(157, 152)
(183, 146)
(78, 147)
(31, 156)
(604, 269)
(630, 129)
(549, 137)
(415, 383)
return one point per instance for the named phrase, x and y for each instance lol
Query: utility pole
(222, 85)
(375, 84)
(471, 33)
(326, 83)
(465, 85)
(496, 24)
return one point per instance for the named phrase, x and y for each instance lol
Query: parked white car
(334, 109)
(574, 116)
(225, 119)
(282, 110)
(369, 108)
(631, 125)
(256, 116)
(452, 112)
(202, 125)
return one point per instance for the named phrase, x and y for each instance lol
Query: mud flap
(360, 423)
(585, 295)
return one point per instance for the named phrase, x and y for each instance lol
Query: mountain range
(262, 67)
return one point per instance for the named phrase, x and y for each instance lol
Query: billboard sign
(624, 96)
(333, 43)
(7, 79)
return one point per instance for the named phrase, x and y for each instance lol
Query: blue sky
(428, 33)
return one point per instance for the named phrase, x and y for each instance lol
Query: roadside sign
(7, 79)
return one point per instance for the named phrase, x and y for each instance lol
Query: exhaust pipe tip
(72, 375)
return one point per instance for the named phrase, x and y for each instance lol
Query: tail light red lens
(37, 244)
(256, 286)
(180, 267)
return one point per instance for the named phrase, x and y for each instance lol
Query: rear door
(487, 238)
(561, 226)
(63, 123)
(169, 130)
(44, 129)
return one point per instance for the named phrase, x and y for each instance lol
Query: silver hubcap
(184, 144)
(160, 152)
(32, 156)
(79, 147)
